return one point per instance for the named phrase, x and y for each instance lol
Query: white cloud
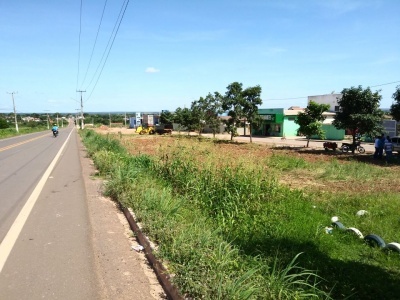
(152, 70)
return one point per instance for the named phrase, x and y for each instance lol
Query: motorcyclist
(54, 129)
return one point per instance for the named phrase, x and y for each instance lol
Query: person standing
(376, 154)
(381, 145)
(388, 149)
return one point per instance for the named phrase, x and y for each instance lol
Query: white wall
(330, 99)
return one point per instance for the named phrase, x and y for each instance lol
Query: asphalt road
(51, 257)
(59, 238)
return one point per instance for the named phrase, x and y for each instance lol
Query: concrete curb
(161, 273)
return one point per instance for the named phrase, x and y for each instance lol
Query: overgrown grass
(228, 230)
(351, 170)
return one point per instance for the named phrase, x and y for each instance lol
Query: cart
(330, 145)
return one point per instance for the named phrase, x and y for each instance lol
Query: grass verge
(229, 230)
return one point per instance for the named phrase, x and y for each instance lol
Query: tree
(184, 117)
(3, 123)
(178, 118)
(310, 121)
(214, 109)
(199, 111)
(359, 112)
(205, 111)
(232, 102)
(395, 107)
(166, 117)
(251, 98)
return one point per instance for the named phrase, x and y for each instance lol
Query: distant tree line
(33, 120)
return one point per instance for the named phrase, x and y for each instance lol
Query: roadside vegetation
(10, 132)
(27, 123)
(246, 221)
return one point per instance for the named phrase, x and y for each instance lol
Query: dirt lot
(150, 144)
(295, 146)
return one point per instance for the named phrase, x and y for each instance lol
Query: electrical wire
(95, 42)
(79, 44)
(385, 83)
(111, 39)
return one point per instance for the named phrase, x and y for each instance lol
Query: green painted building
(281, 123)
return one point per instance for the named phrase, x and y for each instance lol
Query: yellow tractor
(145, 130)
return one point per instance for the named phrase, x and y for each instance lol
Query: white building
(330, 99)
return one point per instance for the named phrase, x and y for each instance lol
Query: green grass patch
(10, 132)
(231, 231)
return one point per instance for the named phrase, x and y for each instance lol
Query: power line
(95, 42)
(385, 83)
(79, 43)
(112, 43)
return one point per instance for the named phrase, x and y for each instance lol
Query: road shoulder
(122, 273)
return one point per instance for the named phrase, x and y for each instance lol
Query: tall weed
(220, 224)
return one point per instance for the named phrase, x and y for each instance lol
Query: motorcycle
(55, 133)
(346, 147)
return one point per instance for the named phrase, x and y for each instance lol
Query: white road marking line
(15, 230)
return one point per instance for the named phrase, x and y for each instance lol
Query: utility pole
(82, 125)
(15, 112)
(47, 119)
(76, 117)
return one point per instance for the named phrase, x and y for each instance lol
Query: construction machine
(145, 130)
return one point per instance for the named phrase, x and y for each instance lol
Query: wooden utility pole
(15, 111)
(82, 124)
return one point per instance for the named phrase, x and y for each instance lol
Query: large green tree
(206, 112)
(241, 104)
(232, 102)
(214, 109)
(199, 111)
(184, 117)
(395, 107)
(359, 112)
(166, 117)
(310, 121)
(251, 99)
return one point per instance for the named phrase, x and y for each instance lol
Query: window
(337, 108)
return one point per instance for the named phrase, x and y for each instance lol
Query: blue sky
(169, 53)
